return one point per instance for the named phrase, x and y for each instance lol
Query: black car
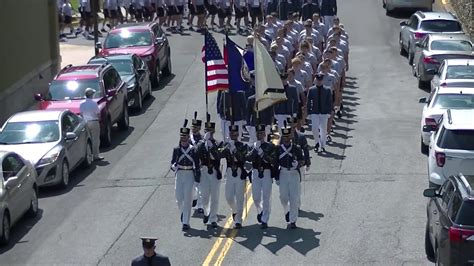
(134, 72)
(449, 237)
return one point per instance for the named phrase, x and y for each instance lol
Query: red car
(145, 40)
(66, 91)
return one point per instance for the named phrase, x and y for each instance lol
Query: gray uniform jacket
(156, 260)
(319, 100)
(291, 105)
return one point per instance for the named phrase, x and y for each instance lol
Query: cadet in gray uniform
(185, 163)
(235, 153)
(289, 177)
(150, 257)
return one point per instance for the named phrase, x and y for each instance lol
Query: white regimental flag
(269, 88)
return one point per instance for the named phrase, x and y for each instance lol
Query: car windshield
(466, 213)
(123, 66)
(460, 72)
(61, 90)
(30, 132)
(453, 101)
(457, 140)
(441, 25)
(126, 38)
(452, 45)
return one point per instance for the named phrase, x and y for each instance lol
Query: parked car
(55, 142)
(449, 234)
(18, 192)
(422, 23)
(391, 5)
(433, 49)
(146, 40)
(133, 71)
(66, 91)
(451, 148)
(454, 73)
(441, 99)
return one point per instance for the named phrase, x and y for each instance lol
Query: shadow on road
(118, 137)
(18, 231)
(148, 101)
(164, 82)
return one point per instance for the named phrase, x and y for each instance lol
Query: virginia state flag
(239, 76)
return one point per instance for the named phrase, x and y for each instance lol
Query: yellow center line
(227, 226)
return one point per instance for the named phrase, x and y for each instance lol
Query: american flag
(216, 70)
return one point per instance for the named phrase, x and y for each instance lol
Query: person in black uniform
(235, 153)
(150, 257)
(328, 12)
(308, 9)
(289, 176)
(185, 163)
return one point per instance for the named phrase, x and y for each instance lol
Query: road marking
(223, 234)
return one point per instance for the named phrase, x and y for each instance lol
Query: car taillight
(440, 158)
(430, 60)
(459, 234)
(419, 35)
(430, 122)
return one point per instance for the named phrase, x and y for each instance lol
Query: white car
(451, 149)
(454, 73)
(391, 5)
(440, 99)
(18, 192)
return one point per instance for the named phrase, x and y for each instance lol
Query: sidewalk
(75, 54)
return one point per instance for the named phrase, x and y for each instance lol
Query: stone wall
(464, 11)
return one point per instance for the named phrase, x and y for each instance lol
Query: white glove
(277, 182)
(257, 144)
(307, 168)
(209, 144)
(260, 151)
(196, 184)
(174, 167)
(207, 136)
(294, 164)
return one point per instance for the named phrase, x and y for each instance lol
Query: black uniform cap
(286, 131)
(320, 76)
(148, 242)
(196, 122)
(184, 131)
(209, 124)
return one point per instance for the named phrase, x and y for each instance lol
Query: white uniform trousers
(184, 185)
(319, 125)
(210, 189)
(94, 129)
(262, 193)
(234, 193)
(290, 192)
(197, 195)
(225, 128)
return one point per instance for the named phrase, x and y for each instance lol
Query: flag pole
(205, 72)
(231, 110)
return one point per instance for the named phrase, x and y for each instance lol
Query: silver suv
(422, 23)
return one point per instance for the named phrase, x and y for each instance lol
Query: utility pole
(95, 11)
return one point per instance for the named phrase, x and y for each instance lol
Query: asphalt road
(362, 203)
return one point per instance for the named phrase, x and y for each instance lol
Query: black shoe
(181, 218)
(185, 227)
(195, 202)
(323, 150)
(205, 219)
(191, 28)
(259, 217)
(339, 114)
(287, 217)
(293, 226)
(238, 226)
(316, 148)
(214, 225)
(98, 158)
(200, 210)
(264, 226)
(341, 107)
(233, 216)
(328, 138)
(103, 30)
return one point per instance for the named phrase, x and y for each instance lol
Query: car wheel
(107, 136)
(428, 246)
(402, 50)
(5, 237)
(167, 69)
(388, 12)
(124, 121)
(384, 5)
(413, 70)
(139, 100)
(155, 80)
(421, 84)
(33, 210)
(64, 175)
(88, 159)
(424, 148)
(150, 91)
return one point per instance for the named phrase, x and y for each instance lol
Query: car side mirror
(70, 136)
(159, 40)
(431, 71)
(98, 45)
(38, 97)
(422, 100)
(418, 44)
(430, 193)
(429, 128)
(11, 182)
(403, 23)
